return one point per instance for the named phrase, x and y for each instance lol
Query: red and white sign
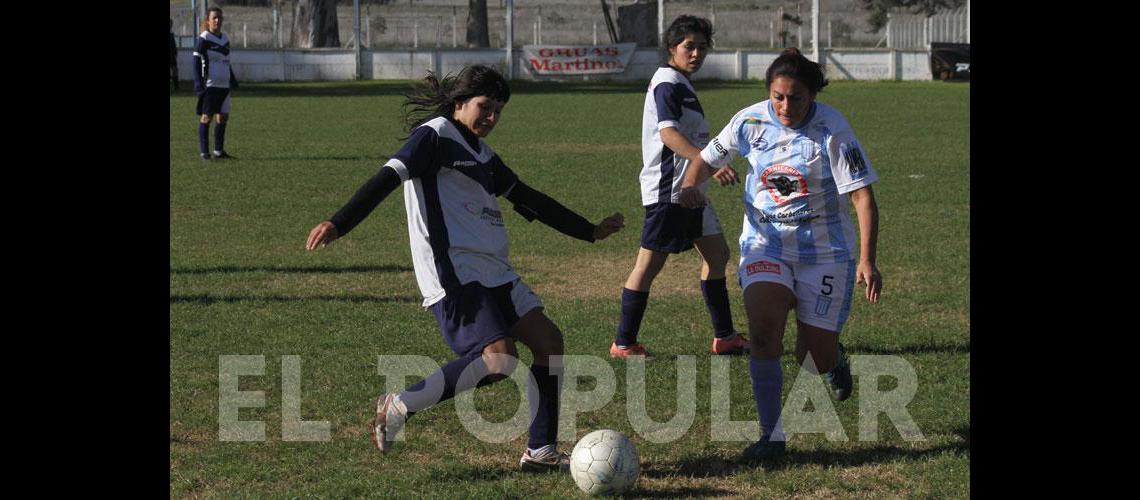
(578, 59)
(763, 267)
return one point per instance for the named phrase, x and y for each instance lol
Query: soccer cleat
(733, 344)
(204, 156)
(548, 461)
(625, 352)
(764, 449)
(387, 422)
(840, 377)
(222, 155)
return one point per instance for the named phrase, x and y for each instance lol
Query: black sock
(633, 304)
(204, 138)
(543, 395)
(716, 300)
(220, 137)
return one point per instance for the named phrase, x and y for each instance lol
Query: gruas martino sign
(578, 59)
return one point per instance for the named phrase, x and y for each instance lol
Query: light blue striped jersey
(793, 204)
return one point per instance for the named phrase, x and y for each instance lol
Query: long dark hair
(680, 29)
(434, 97)
(794, 65)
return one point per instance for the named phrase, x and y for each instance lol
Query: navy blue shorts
(213, 101)
(671, 228)
(473, 315)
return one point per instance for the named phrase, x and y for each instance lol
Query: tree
(478, 34)
(879, 8)
(314, 24)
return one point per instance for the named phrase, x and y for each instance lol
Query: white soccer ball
(604, 462)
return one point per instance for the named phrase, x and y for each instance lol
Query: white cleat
(387, 422)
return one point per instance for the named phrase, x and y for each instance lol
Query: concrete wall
(259, 65)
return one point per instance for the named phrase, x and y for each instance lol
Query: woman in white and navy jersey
(798, 247)
(452, 180)
(213, 80)
(673, 131)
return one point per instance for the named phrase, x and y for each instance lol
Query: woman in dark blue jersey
(213, 81)
(673, 130)
(451, 181)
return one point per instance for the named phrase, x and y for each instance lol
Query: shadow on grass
(964, 433)
(703, 467)
(469, 473)
(291, 269)
(680, 492)
(300, 157)
(485, 473)
(912, 349)
(204, 299)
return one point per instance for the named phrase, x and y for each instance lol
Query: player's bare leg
(767, 305)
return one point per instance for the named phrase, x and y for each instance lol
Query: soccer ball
(604, 462)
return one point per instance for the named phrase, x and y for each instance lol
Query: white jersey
(793, 204)
(455, 226)
(214, 54)
(670, 101)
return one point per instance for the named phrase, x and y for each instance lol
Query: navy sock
(767, 383)
(543, 394)
(447, 378)
(716, 300)
(220, 137)
(633, 305)
(204, 138)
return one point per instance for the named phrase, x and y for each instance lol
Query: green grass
(241, 284)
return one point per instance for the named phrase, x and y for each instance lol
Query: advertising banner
(558, 60)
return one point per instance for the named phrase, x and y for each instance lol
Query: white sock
(543, 450)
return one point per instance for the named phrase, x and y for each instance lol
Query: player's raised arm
(362, 203)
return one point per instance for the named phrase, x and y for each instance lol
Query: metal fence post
(359, 40)
(510, 39)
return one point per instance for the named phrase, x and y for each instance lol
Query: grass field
(242, 284)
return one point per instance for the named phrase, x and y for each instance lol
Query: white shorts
(823, 291)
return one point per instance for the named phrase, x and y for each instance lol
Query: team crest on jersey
(851, 153)
(783, 182)
(822, 304)
(809, 150)
(762, 266)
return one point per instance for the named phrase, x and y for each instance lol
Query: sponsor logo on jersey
(463, 163)
(690, 99)
(783, 183)
(822, 304)
(719, 149)
(791, 218)
(494, 217)
(762, 267)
